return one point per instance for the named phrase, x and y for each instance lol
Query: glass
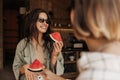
(42, 20)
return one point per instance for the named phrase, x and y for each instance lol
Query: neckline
(112, 47)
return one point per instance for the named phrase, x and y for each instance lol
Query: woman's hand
(51, 76)
(57, 48)
(28, 74)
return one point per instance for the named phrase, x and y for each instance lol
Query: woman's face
(42, 23)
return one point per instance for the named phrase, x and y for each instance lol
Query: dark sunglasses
(41, 20)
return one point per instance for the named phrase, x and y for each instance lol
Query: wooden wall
(59, 8)
(1, 36)
(11, 35)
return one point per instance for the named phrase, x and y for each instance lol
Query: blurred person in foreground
(98, 21)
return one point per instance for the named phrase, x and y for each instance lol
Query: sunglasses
(41, 20)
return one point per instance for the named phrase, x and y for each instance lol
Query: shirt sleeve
(18, 61)
(60, 64)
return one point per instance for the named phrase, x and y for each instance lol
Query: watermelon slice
(56, 36)
(36, 66)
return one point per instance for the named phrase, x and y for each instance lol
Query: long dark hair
(32, 31)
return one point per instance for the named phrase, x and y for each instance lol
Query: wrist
(54, 57)
(55, 54)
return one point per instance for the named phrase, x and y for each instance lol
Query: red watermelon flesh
(36, 65)
(56, 36)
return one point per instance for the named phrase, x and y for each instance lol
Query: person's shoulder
(22, 42)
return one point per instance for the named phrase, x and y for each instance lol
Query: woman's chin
(43, 31)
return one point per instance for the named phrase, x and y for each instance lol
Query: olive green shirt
(26, 55)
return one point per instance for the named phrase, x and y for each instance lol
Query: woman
(98, 22)
(37, 45)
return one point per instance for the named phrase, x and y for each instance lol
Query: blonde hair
(98, 18)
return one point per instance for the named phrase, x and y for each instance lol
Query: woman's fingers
(30, 75)
(58, 46)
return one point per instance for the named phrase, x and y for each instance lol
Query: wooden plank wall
(1, 35)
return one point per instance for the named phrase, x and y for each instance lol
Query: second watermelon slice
(36, 66)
